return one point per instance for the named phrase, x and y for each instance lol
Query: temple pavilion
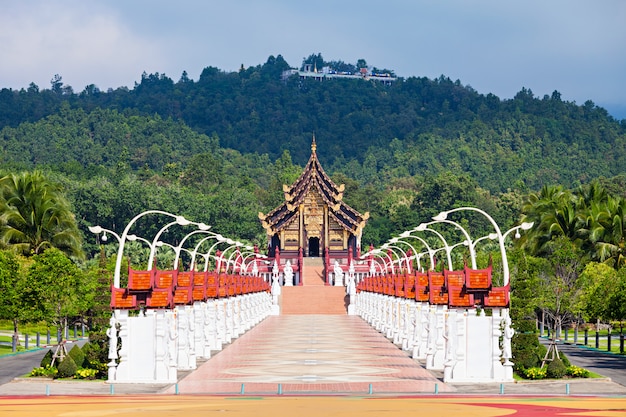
(314, 221)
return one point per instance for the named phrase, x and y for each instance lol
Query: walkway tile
(311, 354)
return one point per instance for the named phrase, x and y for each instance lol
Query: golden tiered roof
(314, 178)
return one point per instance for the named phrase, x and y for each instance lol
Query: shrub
(534, 373)
(527, 351)
(47, 359)
(67, 368)
(556, 368)
(576, 372)
(102, 369)
(98, 347)
(83, 373)
(49, 371)
(77, 354)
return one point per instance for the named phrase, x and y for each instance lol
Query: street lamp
(404, 255)
(422, 227)
(516, 229)
(98, 229)
(153, 246)
(248, 251)
(244, 266)
(220, 239)
(120, 253)
(215, 236)
(417, 258)
(176, 249)
(431, 252)
(184, 239)
(463, 231)
(505, 263)
(374, 261)
(384, 256)
(232, 244)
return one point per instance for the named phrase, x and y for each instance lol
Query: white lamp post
(98, 229)
(223, 254)
(256, 256)
(417, 258)
(384, 256)
(184, 239)
(374, 261)
(431, 253)
(244, 254)
(465, 233)
(505, 263)
(422, 227)
(516, 229)
(120, 253)
(153, 246)
(388, 245)
(176, 249)
(217, 237)
(220, 239)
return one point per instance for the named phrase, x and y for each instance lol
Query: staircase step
(313, 300)
(313, 275)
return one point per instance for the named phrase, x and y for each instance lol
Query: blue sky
(496, 46)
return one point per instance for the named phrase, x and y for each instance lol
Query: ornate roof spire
(313, 144)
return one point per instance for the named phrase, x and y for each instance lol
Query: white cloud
(83, 44)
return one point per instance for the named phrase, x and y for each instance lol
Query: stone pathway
(311, 354)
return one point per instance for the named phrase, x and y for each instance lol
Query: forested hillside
(364, 129)
(403, 150)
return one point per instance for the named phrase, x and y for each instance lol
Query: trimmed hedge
(67, 368)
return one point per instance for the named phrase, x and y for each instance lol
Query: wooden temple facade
(314, 221)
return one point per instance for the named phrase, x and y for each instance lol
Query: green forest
(219, 149)
(232, 140)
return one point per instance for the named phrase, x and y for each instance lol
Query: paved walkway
(311, 354)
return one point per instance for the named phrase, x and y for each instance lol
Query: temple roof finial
(313, 144)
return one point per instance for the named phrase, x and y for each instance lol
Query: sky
(577, 47)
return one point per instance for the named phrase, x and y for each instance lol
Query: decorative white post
(507, 335)
(112, 334)
(275, 291)
(351, 290)
(451, 337)
(122, 373)
(182, 352)
(171, 338)
(198, 314)
(161, 372)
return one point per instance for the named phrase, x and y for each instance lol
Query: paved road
(610, 365)
(21, 363)
(12, 366)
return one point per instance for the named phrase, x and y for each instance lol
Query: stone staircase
(313, 272)
(313, 296)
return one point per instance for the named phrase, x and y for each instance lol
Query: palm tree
(34, 215)
(553, 211)
(607, 232)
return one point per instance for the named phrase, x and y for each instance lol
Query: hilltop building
(326, 73)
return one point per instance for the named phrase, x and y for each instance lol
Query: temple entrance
(314, 246)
